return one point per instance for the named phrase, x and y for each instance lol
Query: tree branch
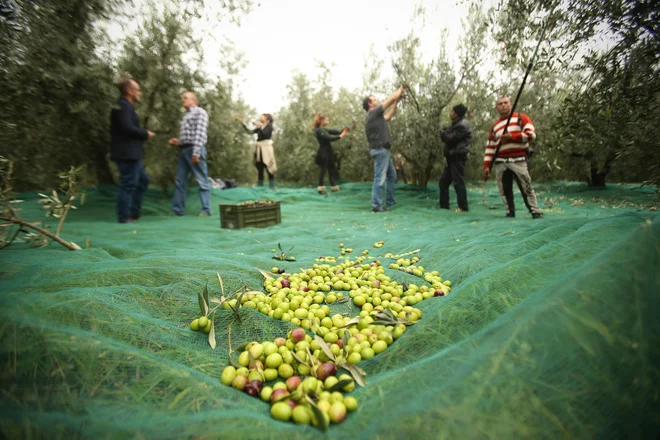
(71, 246)
(460, 81)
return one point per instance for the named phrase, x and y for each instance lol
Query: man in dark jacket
(457, 138)
(126, 148)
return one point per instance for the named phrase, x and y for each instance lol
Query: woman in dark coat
(325, 158)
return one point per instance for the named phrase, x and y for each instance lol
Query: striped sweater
(521, 137)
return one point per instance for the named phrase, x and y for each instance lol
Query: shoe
(461, 210)
(204, 214)
(511, 214)
(537, 215)
(130, 220)
(174, 214)
(334, 188)
(390, 205)
(133, 219)
(378, 209)
(321, 190)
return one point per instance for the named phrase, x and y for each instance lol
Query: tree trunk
(420, 177)
(102, 168)
(597, 178)
(427, 174)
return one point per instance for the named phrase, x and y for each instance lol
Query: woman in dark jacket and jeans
(325, 158)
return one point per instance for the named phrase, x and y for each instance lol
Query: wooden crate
(245, 216)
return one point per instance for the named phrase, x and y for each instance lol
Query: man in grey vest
(378, 135)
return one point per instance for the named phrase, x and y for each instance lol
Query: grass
(548, 332)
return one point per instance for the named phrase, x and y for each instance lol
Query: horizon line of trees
(597, 115)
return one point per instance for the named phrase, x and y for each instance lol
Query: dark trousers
(133, 182)
(261, 167)
(332, 173)
(454, 173)
(507, 183)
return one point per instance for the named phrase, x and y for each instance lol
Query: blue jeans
(133, 182)
(183, 169)
(383, 172)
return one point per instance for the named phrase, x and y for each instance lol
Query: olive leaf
(311, 358)
(253, 292)
(239, 299)
(355, 371)
(233, 363)
(206, 296)
(387, 317)
(345, 338)
(300, 360)
(339, 386)
(212, 332)
(222, 287)
(352, 321)
(203, 307)
(324, 347)
(265, 274)
(318, 415)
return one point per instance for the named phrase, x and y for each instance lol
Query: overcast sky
(282, 36)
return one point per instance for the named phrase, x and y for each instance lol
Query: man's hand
(506, 137)
(195, 159)
(150, 134)
(486, 173)
(173, 141)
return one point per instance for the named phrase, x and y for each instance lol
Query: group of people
(510, 162)
(127, 148)
(507, 152)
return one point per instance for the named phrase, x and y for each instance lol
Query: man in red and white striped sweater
(512, 157)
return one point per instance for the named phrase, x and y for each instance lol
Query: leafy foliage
(595, 110)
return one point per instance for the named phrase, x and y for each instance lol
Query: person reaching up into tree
(325, 157)
(378, 136)
(264, 154)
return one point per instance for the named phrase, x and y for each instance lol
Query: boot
(321, 189)
(334, 188)
(260, 182)
(271, 183)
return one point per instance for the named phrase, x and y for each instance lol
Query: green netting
(551, 329)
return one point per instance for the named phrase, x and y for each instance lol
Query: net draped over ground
(551, 329)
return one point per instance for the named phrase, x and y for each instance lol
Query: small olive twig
(231, 350)
(71, 246)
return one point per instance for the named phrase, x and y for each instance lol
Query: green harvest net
(551, 329)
